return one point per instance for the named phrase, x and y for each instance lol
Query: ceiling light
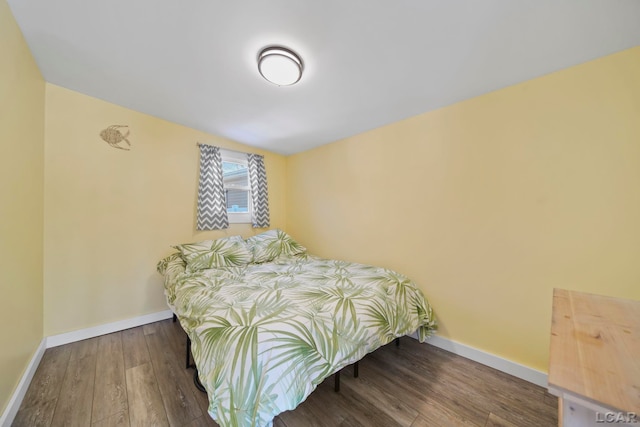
(280, 65)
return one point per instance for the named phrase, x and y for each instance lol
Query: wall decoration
(114, 136)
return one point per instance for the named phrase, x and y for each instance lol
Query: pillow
(271, 244)
(173, 261)
(226, 252)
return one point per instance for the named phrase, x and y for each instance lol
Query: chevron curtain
(212, 207)
(259, 193)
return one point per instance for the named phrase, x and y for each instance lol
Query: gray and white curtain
(259, 193)
(212, 206)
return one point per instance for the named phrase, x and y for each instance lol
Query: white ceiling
(367, 62)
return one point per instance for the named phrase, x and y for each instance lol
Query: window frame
(240, 158)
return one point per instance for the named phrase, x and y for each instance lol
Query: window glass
(236, 184)
(235, 176)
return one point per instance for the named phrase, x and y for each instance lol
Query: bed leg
(355, 370)
(397, 342)
(175, 318)
(337, 381)
(188, 362)
(197, 382)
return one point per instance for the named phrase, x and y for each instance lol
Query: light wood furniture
(594, 359)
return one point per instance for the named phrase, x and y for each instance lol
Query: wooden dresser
(594, 360)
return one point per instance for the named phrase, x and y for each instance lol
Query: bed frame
(196, 379)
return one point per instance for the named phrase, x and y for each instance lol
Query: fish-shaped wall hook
(113, 136)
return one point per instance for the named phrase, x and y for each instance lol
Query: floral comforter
(265, 335)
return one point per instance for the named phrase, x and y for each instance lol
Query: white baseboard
(496, 362)
(11, 410)
(96, 331)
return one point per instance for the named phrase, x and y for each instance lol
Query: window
(235, 176)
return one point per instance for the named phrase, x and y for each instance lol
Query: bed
(268, 322)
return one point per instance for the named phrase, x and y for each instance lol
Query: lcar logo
(617, 417)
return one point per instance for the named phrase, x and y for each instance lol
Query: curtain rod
(227, 149)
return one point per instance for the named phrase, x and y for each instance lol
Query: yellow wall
(490, 203)
(487, 204)
(21, 204)
(111, 215)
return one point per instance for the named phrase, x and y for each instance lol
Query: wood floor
(137, 377)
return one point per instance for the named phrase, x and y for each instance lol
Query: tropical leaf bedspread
(265, 335)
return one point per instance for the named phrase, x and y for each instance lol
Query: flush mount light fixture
(280, 66)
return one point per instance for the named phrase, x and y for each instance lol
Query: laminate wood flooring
(137, 377)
